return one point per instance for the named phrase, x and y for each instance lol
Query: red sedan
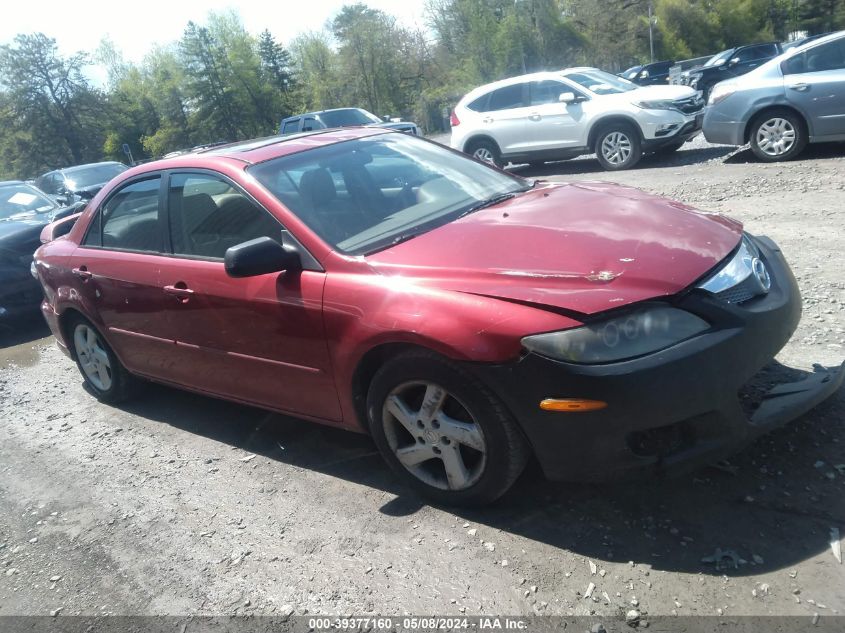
(466, 318)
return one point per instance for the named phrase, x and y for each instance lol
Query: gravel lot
(180, 504)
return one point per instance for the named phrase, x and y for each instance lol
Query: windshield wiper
(489, 202)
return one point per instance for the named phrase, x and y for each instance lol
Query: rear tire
(778, 135)
(618, 146)
(103, 373)
(443, 432)
(486, 151)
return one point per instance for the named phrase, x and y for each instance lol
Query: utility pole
(651, 30)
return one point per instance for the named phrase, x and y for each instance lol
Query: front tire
(443, 432)
(778, 135)
(103, 373)
(618, 147)
(486, 151)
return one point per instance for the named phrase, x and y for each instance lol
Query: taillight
(454, 120)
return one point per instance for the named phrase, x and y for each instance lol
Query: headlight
(721, 92)
(635, 334)
(660, 104)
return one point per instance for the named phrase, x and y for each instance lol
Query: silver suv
(794, 99)
(559, 115)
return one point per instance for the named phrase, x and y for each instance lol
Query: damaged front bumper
(675, 409)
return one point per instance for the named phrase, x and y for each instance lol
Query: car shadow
(21, 330)
(814, 151)
(771, 507)
(589, 164)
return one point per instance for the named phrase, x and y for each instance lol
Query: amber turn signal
(573, 405)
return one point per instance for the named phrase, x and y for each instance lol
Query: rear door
(505, 117)
(258, 339)
(553, 125)
(117, 268)
(815, 83)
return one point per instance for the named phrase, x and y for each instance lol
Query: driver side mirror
(258, 257)
(733, 62)
(569, 97)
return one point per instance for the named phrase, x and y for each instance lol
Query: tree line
(221, 83)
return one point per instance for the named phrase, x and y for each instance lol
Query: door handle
(800, 87)
(179, 290)
(83, 273)
(534, 116)
(487, 120)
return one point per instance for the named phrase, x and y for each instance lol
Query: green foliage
(219, 82)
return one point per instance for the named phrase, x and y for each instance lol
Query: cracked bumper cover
(687, 397)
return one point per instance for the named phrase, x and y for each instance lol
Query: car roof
(318, 112)
(258, 150)
(87, 165)
(538, 76)
(812, 43)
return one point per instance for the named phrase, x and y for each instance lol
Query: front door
(553, 125)
(117, 277)
(815, 82)
(258, 339)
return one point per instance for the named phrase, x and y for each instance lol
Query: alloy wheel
(776, 136)
(434, 436)
(616, 148)
(483, 153)
(92, 357)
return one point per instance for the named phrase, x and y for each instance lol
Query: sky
(135, 26)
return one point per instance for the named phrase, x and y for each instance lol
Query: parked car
(24, 212)
(729, 63)
(81, 182)
(559, 115)
(463, 316)
(342, 117)
(655, 73)
(795, 99)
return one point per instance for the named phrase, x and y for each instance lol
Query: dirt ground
(180, 504)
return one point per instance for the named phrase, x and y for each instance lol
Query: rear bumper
(672, 410)
(55, 327)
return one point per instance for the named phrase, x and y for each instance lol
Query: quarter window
(208, 215)
(130, 218)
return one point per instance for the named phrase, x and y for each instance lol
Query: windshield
(723, 56)
(352, 116)
(82, 177)
(600, 82)
(632, 72)
(21, 201)
(364, 195)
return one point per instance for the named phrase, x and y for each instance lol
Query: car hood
(20, 232)
(658, 91)
(583, 248)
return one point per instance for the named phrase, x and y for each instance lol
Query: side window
(507, 98)
(479, 104)
(543, 92)
(208, 215)
(130, 218)
(830, 56)
(311, 123)
(290, 127)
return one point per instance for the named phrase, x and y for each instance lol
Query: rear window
(289, 127)
(507, 98)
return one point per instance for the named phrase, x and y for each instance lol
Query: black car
(656, 73)
(732, 62)
(24, 212)
(81, 182)
(341, 117)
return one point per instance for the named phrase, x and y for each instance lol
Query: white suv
(558, 115)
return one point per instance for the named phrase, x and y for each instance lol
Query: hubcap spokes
(616, 148)
(434, 436)
(482, 153)
(92, 357)
(776, 137)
